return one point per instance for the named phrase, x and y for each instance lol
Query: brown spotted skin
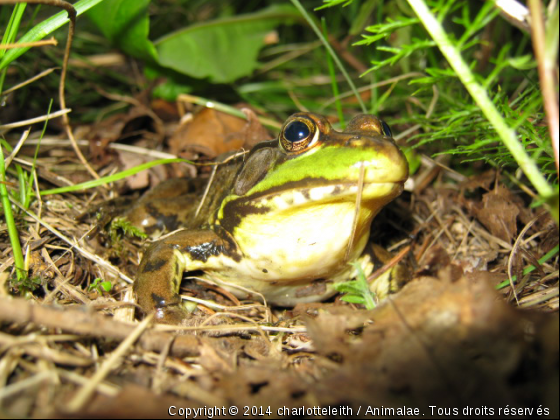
(159, 274)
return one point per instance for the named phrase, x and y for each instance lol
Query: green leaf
(170, 89)
(413, 158)
(353, 299)
(331, 3)
(126, 24)
(222, 50)
(100, 285)
(349, 287)
(524, 62)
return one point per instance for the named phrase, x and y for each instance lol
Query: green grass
(10, 222)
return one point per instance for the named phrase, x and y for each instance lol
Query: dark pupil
(296, 131)
(386, 129)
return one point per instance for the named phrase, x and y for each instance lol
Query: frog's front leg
(161, 270)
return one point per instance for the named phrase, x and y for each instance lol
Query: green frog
(279, 222)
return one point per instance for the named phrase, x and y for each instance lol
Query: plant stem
(547, 68)
(330, 51)
(10, 35)
(9, 216)
(334, 84)
(45, 28)
(479, 94)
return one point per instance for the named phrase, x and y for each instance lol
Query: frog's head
(302, 189)
(301, 206)
(311, 164)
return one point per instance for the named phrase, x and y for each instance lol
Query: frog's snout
(386, 164)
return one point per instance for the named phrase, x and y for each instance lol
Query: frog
(282, 222)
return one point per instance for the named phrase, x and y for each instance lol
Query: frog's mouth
(372, 194)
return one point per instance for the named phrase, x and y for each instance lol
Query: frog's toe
(172, 315)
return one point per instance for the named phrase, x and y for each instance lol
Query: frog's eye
(298, 134)
(386, 129)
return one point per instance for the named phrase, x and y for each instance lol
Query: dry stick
(31, 80)
(79, 320)
(206, 190)
(16, 149)
(390, 264)
(110, 363)
(512, 253)
(51, 41)
(72, 16)
(209, 184)
(35, 120)
(356, 210)
(26, 384)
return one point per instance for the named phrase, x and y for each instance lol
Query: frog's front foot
(160, 273)
(156, 287)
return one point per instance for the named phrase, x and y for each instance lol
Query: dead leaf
(139, 122)
(498, 214)
(444, 343)
(212, 132)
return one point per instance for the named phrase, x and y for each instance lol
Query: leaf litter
(448, 338)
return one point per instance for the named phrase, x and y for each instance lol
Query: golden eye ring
(299, 134)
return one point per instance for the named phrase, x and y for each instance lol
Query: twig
(51, 41)
(357, 209)
(514, 249)
(79, 320)
(110, 363)
(35, 120)
(28, 81)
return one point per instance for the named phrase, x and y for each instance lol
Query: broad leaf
(127, 25)
(222, 50)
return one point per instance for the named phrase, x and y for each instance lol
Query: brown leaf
(218, 355)
(334, 328)
(445, 343)
(139, 122)
(212, 132)
(499, 214)
(483, 180)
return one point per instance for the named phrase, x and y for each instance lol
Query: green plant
(38, 31)
(221, 50)
(10, 222)
(101, 286)
(10, 35)
(482, 112)
(124, 226)
(357, 291)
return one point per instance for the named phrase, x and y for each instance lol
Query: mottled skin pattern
(275, 219)
(160, 261)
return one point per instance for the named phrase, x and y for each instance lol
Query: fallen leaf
(213, 132)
